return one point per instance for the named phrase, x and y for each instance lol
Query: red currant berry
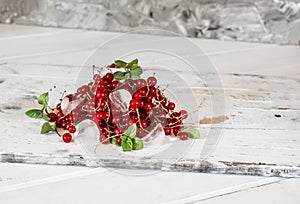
(96, 77)
(115, 120)
(183, 135)
(167, 131)
(72, 129)
(109, 77)
(135, 103)
(114, 84)
(119, 140)
(144, 123)
(58, 107)
(152, 90)
(141, 83)
(147, 106)
(137, 95)
(113, 65)
(152, 81)
(67, 137)
(52, 117)
(101, 86)
(171, 106)
(175, 131)
(117, 131)
(84, 89)
(183, 114)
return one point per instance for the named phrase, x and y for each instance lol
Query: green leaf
(131, 131)
(137, 144)
(138, 71)
(132, 63)
(120, 63)
(54, 127)
(44, 99)
(119, 75)
(34, 113)
(127, 144)
(45, 117)
(127, 75)
(192, 132)
(135, 77)
(46, 128)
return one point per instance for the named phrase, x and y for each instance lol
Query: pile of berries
(98, 101)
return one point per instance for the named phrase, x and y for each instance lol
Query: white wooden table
(260, 137)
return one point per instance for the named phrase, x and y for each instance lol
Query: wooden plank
(254, 140)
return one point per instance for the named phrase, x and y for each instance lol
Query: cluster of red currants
(148, 108)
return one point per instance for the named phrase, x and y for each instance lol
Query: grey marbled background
(267, 21)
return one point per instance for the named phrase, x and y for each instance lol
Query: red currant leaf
(120, 63)
(133, 64)
(138, 71)
(137, 144)
(127, 75)
(44, 99)
(34, 113)
(119, 76)
(46, 128)
(192, 132)
(135, 77)
(127, 144)
(45, 117)
(54, 127)
(131, 131)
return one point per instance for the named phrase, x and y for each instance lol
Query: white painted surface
(267, 142)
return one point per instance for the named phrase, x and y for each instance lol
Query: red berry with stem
(52, 117)
(67, 137)
(117, 131)
(58, 107)
(167, 131)
(109, 77)
(171, 106)
(72, 129)
(137, 95)
(119, 140)
(144, 123)
(175, 131)
(152, 81)
(183, 135)
(114, 84)
(141, 83)
(152, 90)
(183, 114)
(113, 65)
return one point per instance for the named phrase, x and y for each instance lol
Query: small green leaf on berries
(44, 99)
(120, 63)
(137, 144)
(46, 128)
(135, 77)
(192, 132)
(45, 117)
(127, 144)
(133, 64)
(34, 113)
(131, 131)
(138, 71)
(119, 75)
(127, 75)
